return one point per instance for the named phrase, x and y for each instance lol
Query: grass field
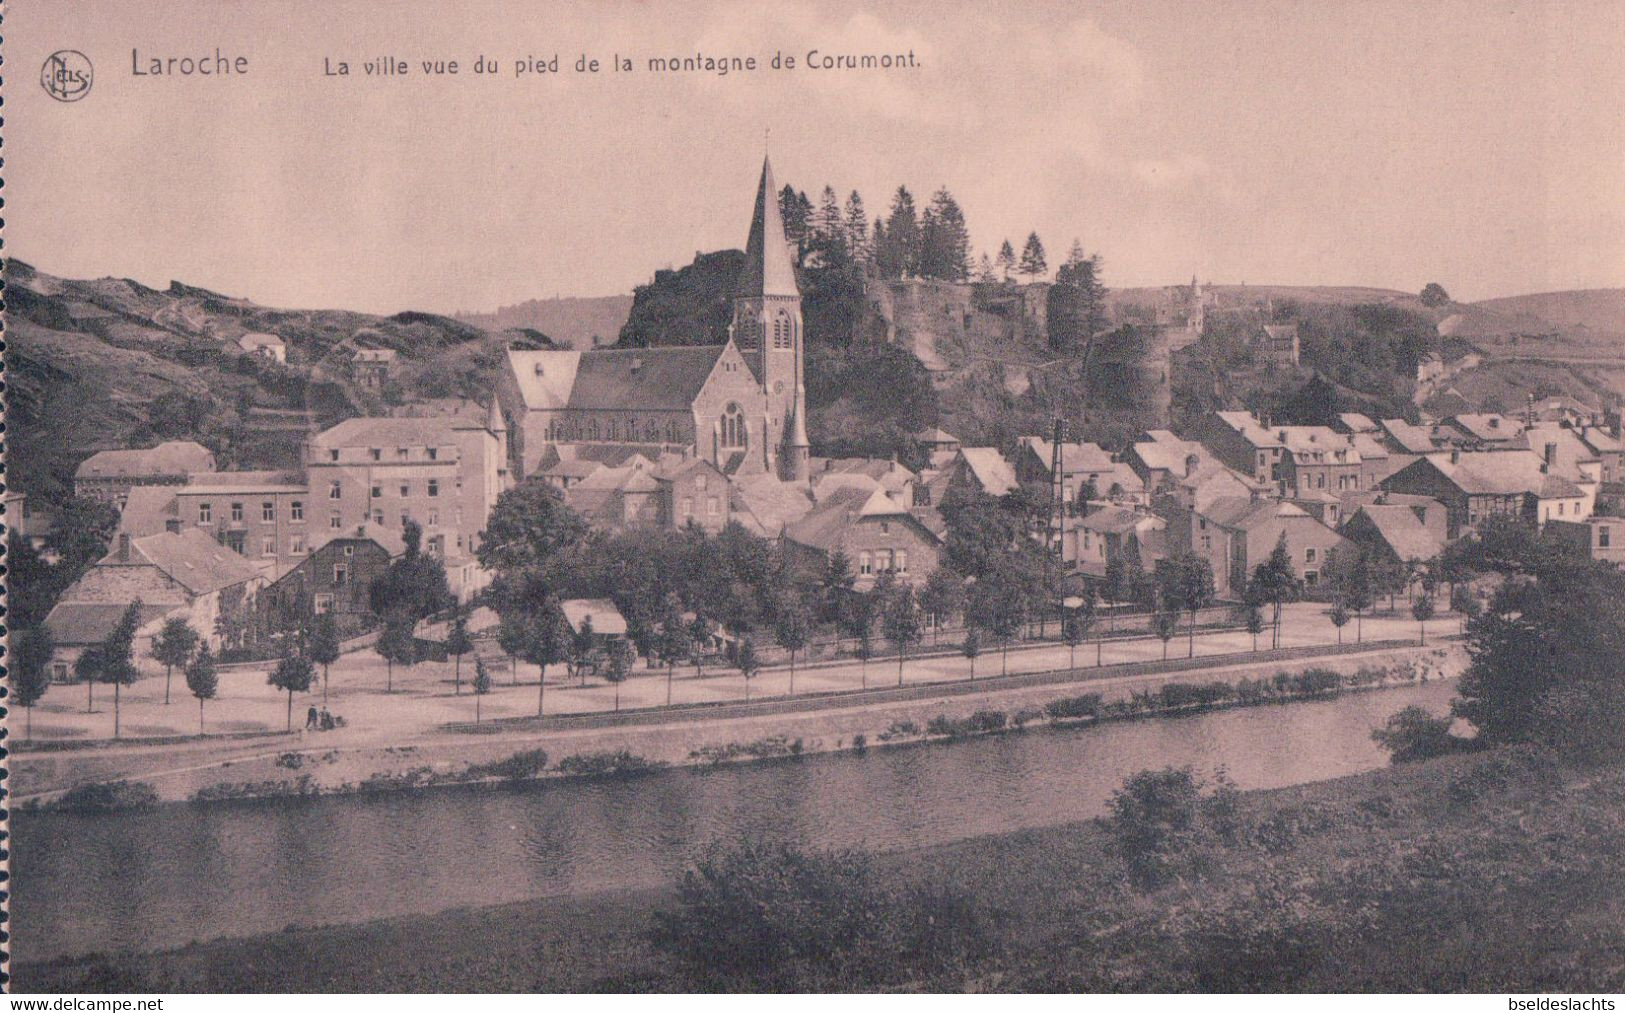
(1483, 872)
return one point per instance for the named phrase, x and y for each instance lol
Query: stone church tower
(767, 327)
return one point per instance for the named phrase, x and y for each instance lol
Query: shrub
(607, 764)
(1181, 695)
(1317, 682)
(106, 796)
(292, 761)
(979, 723)
(1414, 734)
(860, 743)
(900, 730)
(1085, 706)
(518, 767)
(1158, 817)
(760, 917)
(1022, 718)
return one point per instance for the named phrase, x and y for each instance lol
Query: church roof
(768, 268)
(615, 379)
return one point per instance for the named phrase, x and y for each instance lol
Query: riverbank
(1483, 872)
(769, 729)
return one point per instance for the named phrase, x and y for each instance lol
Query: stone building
(111, 474)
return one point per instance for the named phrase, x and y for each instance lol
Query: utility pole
(1055, 528)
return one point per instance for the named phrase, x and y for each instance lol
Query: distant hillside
(1599, 311)
(575, 321)
(109, 362)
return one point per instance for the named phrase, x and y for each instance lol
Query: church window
(733, 426)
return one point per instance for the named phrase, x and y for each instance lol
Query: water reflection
(158, 879)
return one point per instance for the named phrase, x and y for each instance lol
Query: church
(740, 406)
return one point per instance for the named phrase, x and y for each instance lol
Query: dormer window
(538, 369)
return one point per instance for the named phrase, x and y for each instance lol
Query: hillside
(109, 362)
(576, 321)
(1598, 311)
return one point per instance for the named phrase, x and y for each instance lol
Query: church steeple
(768, 268)
(767, 327)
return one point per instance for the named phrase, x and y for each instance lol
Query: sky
(1478, 144)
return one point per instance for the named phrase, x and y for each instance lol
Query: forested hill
(104, 363)
(579, 322)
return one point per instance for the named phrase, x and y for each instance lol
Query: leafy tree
(1545, 659)
(1255, 623)
(202, 679)
(547, 643)
(1422, 610)
(482, 685)
(902, 625)
(1000, 603)
(414, 586)
(32, 586)
(1075, 627)
(674, 645)
(748, 662)
(1006, 260)
(116, 656)
(1339, 617)
(792, 631)
(530, 527)
(1033, 264)
(514, 630)
(971, 648)
(584, 648)
(88, 669)
(942, 597)
(173, 648)
(619, 667)
(293, 674)
(1157, 819)
(1465, 603)
(1185, 581)
(1434, 295)
(396, 644)
(1165, 624)
(700, 632)
(324, 647)
(80, 535)
(30, 669)
(1275, 582)
(458, 643)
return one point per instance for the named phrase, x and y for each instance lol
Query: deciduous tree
(202, 679)
(173, 648)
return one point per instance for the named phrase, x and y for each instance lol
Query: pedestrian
(327, 720)
(310, 717)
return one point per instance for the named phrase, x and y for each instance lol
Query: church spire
(768, 268)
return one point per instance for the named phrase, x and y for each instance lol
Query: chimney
(1550, 455)
(124, 546)
(1455, 455)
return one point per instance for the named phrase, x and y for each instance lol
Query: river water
(161, 878)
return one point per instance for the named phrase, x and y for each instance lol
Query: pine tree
(900, 257)
(1033, 264)
(857, 229)
(1006, 261)
(984, 270)
(944, 240)
(795, 221)
(831, 226)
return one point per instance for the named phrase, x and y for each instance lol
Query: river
(160, 878)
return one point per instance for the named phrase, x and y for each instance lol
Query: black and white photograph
(868, 496)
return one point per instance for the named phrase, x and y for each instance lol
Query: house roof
(1170, 455)
(148, 510)
(991, 471)
(935, 435)
(616, 379)
(1499, 473)
(824, 524)
(391, 540)
(765, 506)
(1355, 422)
(242, 481)
(1246, 514)
(1487, 426)
(175, 457)
(606, 618)
(79, 624)
(389, 432)
(1402, 530)
(257, 339)
(1116, 519)
(191, 558)
(1281, 332)
(1410, 438)
(768, 269)
(1600, 441)
(1075, 457)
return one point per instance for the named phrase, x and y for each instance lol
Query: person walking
(310, 717)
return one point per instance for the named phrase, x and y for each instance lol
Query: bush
(518, 767)
(764, 917)
(1085, 706)
(979, 723)
(106, 796)
(1413, 734)
(900, 730)
(1158, 817)
(1182, 695)
(607, 764)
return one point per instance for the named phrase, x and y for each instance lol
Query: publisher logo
(66, 75)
